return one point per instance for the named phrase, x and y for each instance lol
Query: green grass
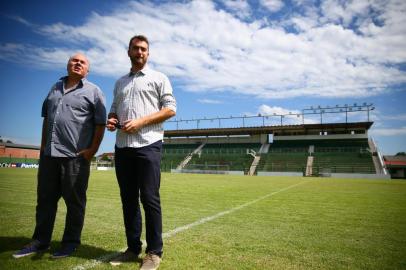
(322, 223)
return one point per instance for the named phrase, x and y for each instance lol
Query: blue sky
(223, 57)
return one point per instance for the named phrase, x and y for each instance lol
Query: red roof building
(396, 165)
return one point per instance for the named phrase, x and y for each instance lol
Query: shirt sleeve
(113, 108)
(44, 110)
(167, 98)
(100, 108)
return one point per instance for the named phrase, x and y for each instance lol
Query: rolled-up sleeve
(167, 98)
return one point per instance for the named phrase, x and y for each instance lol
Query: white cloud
(272, 5)
(292, 117)
(20, 20)
(42, 57)
(389, 131)
(208, 49)
(209, 101)
(397, 117)
(382, 119)
(343, 11)
(240, 8)
(313, 116)
(269, 110)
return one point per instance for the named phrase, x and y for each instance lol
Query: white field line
(92, 263)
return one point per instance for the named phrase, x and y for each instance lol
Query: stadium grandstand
(341, 149)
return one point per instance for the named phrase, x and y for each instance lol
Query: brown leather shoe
(150, 262)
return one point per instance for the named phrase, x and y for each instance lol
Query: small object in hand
(118, 125)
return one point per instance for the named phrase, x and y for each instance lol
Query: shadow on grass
(13, 244)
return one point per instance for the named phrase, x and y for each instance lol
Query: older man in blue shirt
(74, 118)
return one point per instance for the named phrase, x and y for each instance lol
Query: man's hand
(112, 122)
(87, 154)
(133, 125)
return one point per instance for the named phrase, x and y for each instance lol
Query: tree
(105, 158)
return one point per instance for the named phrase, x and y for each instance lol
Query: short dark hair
(139, 37)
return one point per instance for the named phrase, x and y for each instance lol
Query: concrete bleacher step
(254, 165)
(189, 157)
(309, 166)
(379, 166)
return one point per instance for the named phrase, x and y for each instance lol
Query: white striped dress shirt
(137, 95)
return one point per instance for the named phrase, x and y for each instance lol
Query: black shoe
(126, 256)
(33, 247)
(65, 251)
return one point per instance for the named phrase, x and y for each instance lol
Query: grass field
(237, 222)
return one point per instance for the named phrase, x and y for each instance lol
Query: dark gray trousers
(66, 178)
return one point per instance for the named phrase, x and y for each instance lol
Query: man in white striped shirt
(143, 100)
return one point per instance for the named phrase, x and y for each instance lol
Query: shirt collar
(143, 71)
(81, 82)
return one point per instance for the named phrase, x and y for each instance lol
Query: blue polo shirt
(72, 117)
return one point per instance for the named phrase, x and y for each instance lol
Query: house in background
(17, 153)
(396, 166)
